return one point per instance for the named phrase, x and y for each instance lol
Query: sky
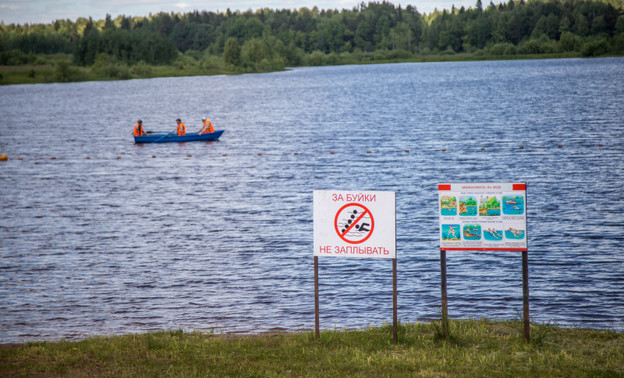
(47, 11)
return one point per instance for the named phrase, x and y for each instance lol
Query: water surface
(102, 236)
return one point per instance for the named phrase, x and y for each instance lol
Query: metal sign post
(355, 224)
(483, 217)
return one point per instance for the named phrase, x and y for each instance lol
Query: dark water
(218, 236)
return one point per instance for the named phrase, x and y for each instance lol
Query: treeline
(272, 39)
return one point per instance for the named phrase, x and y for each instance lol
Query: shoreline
(47, 73)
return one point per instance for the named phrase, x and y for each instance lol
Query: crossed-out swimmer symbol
(354, 223)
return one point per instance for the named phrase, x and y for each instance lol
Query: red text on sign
(359, 197)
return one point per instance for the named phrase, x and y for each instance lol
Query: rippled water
(112, 237)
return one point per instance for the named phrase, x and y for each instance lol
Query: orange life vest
(209, 129)
(181, 129)
(138, 130)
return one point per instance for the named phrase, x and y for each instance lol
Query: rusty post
(317, 331)
(525, 295)
(395, 336)
(444, 297)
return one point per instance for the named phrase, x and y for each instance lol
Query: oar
(164, 136)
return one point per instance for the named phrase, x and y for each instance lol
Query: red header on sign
(519, 186)
(444, 187)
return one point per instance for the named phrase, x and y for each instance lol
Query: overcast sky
(46, 11)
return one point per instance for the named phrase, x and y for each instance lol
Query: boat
(173, 137)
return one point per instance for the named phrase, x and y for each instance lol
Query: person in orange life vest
(208, 128)
(181, 127)
(138, 129)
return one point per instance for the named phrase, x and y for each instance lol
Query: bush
(142, 69)
(109, 67)
(315, 58)
(569, 42)
(618, 42)
(542, 45)
(15, 58)
(595, 48)
(65, 72)
(499, 48)
(211, 62)
(510, 50)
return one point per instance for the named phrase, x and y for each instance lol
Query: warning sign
(354, 224)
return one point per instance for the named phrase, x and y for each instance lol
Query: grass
(474, 348)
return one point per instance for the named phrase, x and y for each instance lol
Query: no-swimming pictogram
(354, 223)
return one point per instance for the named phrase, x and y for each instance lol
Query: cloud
(10, 7)
(182, 5)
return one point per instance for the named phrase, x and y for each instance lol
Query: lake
(101, 236)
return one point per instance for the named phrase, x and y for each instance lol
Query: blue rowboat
(173, 137)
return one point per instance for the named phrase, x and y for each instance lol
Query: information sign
(482, 216)
(354, 224)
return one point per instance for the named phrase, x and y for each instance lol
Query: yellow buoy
(4, 157)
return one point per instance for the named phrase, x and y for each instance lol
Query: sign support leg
(444, 297)
(316, 300)
(525, 295)
(394, 302)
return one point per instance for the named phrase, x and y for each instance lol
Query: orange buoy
(189, 155)
(153, 156)
(259, 153)
(52, 158)
(406, 150)
(296, 153)
(4, 157)
(118, 157)
(87, 158)
(331, 152)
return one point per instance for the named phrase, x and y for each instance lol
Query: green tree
(231, 53)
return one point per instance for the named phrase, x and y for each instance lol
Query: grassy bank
(475, 348)
(57, 68)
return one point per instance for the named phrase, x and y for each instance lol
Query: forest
(204, 42)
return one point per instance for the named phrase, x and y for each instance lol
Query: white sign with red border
(482, 216)
(354, 224)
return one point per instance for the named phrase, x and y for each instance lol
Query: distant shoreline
(48, 73)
